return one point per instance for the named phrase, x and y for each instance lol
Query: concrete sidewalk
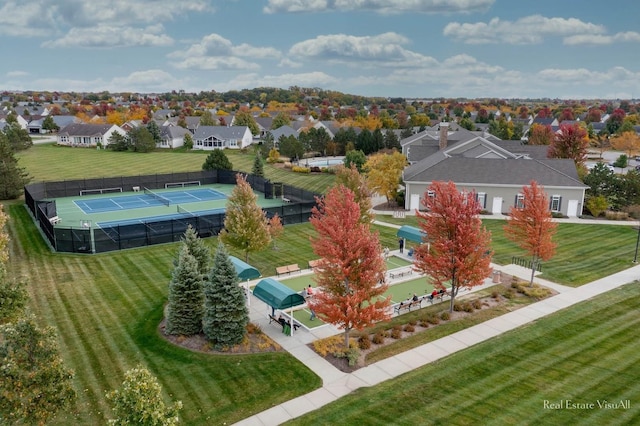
(337, 384)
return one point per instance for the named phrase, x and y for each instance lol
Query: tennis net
(184, 211)
(158, 197)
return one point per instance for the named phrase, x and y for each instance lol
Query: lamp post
(635, 257)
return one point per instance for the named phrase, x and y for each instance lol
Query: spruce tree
(184, 311)
(225, 311)
(197, 249)
(258, 167)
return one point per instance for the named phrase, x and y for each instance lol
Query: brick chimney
(444, 130)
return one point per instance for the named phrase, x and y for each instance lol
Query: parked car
(608, 166)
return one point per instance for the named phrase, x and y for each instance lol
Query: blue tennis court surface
(123, 222)
(142, 200)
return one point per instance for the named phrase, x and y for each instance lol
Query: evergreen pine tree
(225, 311)
(258, 167)
(184, 311)
(12, 177)
(197, 249)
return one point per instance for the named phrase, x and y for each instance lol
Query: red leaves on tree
(570, 142)
(532, 227)
(459, 250)
(351, 276)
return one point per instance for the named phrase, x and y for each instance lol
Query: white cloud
(26, 19)
(138, 81)
(12, 74)
(597, 39)
(216, 52)
(110, 36)
(124, 12)
(379, 6)
(288, 63)
(380, 50)
(41, 18)
(528, 30)
(311, 79)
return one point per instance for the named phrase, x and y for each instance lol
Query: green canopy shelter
(244, 270)
(411, 233)
(277, 295)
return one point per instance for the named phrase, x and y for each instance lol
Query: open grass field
(49, 162)
(585, 354)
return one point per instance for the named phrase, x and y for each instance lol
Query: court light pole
(635, 257)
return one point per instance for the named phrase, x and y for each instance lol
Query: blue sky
(395, 48)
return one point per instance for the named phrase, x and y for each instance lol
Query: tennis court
(111, 209)
(147, 199)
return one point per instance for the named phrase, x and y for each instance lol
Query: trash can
(497, 277)
(287, 329)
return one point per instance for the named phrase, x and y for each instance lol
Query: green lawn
(585, 253)
(51, 162)
(585, 354)
(107, 309)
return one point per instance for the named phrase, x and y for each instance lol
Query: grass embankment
(584, 354)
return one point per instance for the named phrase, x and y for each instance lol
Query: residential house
(87, 135)
(495, 170)
(209, 138)
(172, 136)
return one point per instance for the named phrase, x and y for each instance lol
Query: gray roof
(512, 172)
(64, 120)
(221, 132)
(173, 132)
(84, 129)
(285, 131)
(517, 147)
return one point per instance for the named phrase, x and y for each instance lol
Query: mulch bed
(486, 302)
(254, 342)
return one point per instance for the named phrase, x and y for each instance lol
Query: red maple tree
(570, 142)
(532, 227)
(459, 250)
(351, 274)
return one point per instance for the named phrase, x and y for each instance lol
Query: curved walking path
(337, 384)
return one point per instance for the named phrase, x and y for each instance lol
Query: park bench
(282, 322)
(401, 273)
(407, 305)
(54, 220)
(287, 269)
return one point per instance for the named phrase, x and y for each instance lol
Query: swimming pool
(324, 162)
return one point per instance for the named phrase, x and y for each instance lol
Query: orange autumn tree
(459, 250)
(531, 226)
(351, 274)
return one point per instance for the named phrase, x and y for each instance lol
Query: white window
(519, 201)
(482, 199)
(555, 203)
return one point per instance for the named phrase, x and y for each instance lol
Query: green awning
(276, 294)
(411, 233)
(244, 270)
